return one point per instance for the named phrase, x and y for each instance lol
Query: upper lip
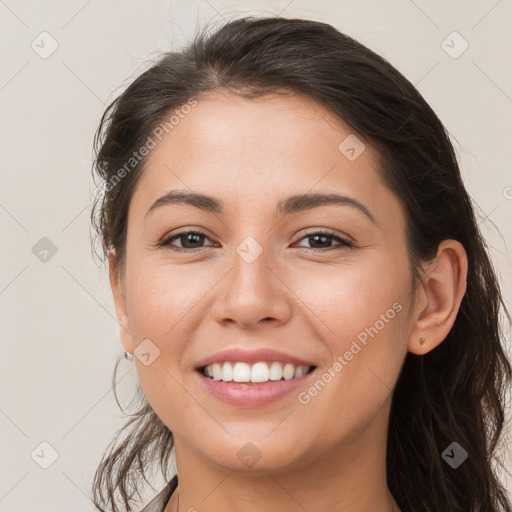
(235, 354)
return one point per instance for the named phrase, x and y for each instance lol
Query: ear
(439, 297)
(118, 291)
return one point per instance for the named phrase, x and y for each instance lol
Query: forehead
(284, 125)
(246, 150)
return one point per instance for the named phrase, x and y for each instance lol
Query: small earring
(128, 355)
(422, 340)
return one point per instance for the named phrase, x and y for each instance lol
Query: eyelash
(344, 244)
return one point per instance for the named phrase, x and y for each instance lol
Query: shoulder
(158, 503)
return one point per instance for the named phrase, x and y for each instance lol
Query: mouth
(259, 387)
(262, 372)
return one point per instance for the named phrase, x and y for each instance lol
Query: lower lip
(241, 394)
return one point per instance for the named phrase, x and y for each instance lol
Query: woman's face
(258, 277)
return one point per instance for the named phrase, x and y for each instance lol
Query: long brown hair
(454, 393)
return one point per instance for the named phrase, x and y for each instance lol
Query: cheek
(161, 298)
(346, 298)
(166, 304)
(360, 315)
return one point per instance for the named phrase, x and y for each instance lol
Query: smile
(248, 393)
(259, 372)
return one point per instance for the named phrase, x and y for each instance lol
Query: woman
(297, 268)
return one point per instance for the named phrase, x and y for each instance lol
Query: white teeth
(227, 372)
(299, 372)
(276, 371)
(241, 372)
(217, 371)
(289, 371)
(258, 372)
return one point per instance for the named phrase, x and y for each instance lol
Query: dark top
(159, 502)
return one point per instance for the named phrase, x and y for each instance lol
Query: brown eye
(323, 240)
(189, 240)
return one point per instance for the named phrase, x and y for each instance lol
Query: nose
(252, 294)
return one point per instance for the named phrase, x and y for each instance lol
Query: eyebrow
(292, 204)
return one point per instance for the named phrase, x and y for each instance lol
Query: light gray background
(59, 336)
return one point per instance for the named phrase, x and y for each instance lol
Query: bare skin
(307, 297)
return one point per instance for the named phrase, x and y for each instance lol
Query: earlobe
(119, 295)
(441, 294)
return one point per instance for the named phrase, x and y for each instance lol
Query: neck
(389, 505)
